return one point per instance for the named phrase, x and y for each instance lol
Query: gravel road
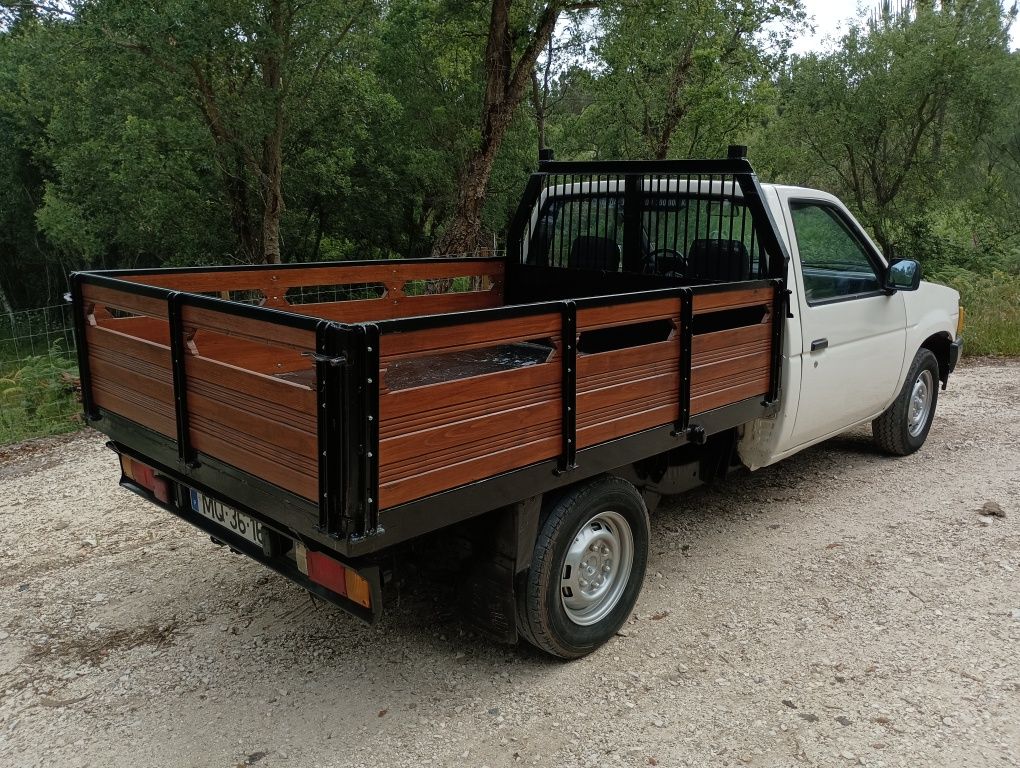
(841, 608)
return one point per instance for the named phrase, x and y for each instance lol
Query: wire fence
(39, 388)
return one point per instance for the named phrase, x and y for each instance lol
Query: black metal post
(686, 341)
(330, 369)
(632, 224)
(81, 348)
(568, 456)
(367, 385)
(178, 361)
(779, 313)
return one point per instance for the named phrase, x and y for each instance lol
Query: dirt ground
(841, 608)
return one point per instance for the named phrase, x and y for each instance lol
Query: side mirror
(903, 275)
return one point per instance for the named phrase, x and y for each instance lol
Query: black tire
(542, 617)
(893, 430)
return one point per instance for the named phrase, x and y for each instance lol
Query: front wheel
(904, 426)
(587, 568)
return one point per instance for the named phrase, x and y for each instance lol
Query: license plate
(229, 518)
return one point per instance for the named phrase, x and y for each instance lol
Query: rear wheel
(904, 426)
(586, 570)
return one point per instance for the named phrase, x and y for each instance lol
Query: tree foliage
(187, 132)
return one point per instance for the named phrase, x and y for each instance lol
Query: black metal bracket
(632, 224)
(788, 302)
(568, 378)
(178, 362)
(367, 385)
(779, 315)
(696, 434)
(331, 407)
(686, 339)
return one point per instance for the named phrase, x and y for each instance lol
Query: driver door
(854, 332)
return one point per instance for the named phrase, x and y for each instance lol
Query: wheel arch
(938, 345)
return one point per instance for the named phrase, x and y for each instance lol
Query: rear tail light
(146, 477)
(333, 575)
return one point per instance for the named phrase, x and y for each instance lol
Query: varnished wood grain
(590, 318)
(450, 476)
(122, 300)
(474, 335)
(740, 297)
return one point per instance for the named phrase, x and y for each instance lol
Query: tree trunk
(5, 305)
(272, 146)
(505, 85)
(272, 192)
(240, 216)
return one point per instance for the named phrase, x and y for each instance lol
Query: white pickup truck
(652, 327)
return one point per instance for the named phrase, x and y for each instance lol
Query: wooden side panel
(627, 312)
(443, 435)
(131, 377)
(262, 425)
(627, 390)
(386, 308)
(734, 299)
(345, 272)
(731, 365)
(393, 278)
(485, 333)
(102, 296)
(260, 331)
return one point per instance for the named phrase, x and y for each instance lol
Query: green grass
(37, 396)
(992, 304)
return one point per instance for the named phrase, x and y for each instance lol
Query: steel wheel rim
(596, 568)
(920, 403)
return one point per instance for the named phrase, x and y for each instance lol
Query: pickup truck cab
(865, 341)
(652, 326)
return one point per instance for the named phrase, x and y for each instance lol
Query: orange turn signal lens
(333, 575)
(146, 477)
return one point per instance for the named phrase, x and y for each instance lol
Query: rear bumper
(955, 351)
(279, 552)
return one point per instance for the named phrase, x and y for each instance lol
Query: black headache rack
(346, 518)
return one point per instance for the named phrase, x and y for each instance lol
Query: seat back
(591, 252)
(718, 261)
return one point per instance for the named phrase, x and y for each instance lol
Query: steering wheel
(669, 262)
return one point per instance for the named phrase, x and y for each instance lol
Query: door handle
(818, 344)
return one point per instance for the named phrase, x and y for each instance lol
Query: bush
(38, 396)
(992, 304)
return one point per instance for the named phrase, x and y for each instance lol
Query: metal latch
(332, 361)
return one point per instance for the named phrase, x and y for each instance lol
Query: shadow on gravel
(421, 618)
